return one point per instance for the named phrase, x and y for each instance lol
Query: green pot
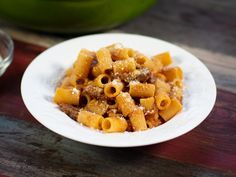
(71, 16)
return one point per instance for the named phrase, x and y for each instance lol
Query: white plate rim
(128, 144)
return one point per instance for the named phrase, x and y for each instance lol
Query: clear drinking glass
(6, 51)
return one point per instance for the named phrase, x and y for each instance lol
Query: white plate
(41, 77)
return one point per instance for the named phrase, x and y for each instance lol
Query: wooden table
(207, 28)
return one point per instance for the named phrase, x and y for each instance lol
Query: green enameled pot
(71, 16)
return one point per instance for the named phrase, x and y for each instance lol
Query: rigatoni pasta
(83, 63)
(173, 73)
(104, 60)
(96, 71)
(164, 58)
(142, 90)
(84, 99)
(154, 66)
(174, 108)
(125, 103)
(137, 120)
(140, 58)
(118, 52)
(117, 89)
(101, 80)
(114, 124)
(124, 66)
(66, 82)
(113, 88)
(67, 95)
(152, 119)
(97, 106)
(162, 100)
(147, 103)
(90, 119)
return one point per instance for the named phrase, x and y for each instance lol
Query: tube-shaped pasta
(112, 89)
(147, 103)
(101, 80)
(173, 109)
(114, 113)
(84, 99)
(73, 79)
(137, 89)
(131, 52)
(67, 95)
(173, 73)
(160, 76)
(90, 119)
(69, 71)
(154, 66)
(120, 54)
(112, 103)
(137, 120)
(152, 119)
(134, 92)
(140, 58)
(104, 60)
(83, 63)
(114, 46)
(76, 82)
(162, 100)
(97, 106)
(114, 124)
(96, 71)
(124, 66)
(176, 92)
(164, 58)
(161, 86)
(66, 83)
(125, 103)
(177, 83)
(82, 82)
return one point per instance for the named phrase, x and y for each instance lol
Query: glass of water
(6, 51)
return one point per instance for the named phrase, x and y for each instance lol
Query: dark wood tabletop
(207, 28)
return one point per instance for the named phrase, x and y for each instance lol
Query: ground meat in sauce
(144, 75)
(111, 112)
(152, 119)
(152, 78)
(129, 127)
(70, 110)
(95, 92)
(141, 75)
(114, 112)
(128, 77)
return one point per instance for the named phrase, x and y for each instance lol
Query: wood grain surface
(212, 144)
(30, 150)
(11, 103)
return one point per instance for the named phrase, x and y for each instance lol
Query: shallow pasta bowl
(38, 87)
